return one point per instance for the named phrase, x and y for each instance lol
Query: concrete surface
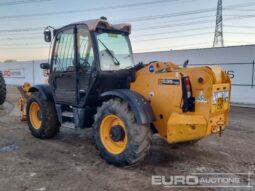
(71, 162)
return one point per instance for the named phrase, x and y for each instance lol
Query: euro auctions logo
(172, 181)
(218, 180)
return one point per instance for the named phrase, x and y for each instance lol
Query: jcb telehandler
(93, 82)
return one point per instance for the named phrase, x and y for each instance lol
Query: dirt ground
(71, 162)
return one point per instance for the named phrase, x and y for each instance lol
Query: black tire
(2, 89)
(49, 122)
(139, 136)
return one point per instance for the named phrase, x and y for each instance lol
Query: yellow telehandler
(93, 82)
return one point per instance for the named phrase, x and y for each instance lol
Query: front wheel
(120, 140)
(41, 117)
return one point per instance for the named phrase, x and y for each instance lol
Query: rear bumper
(183, 127)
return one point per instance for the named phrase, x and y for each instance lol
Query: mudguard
(44, 90)
(139, 105)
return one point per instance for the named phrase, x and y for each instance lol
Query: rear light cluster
(188, 99)
(188, 86)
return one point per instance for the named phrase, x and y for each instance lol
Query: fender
(44, 90)
(139, 105)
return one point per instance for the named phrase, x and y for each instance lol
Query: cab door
(62, 78)
(85, 59)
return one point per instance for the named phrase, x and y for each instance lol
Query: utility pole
(218, 35)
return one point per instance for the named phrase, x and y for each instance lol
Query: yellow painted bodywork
(114, 147)
(166, 100)
(34, 118)
(23, 99)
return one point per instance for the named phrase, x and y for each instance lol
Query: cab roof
(103, 22)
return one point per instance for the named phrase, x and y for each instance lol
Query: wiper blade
(115, 60)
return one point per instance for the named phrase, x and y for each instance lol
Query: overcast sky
(156, 24)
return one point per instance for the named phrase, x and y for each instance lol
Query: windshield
(114, 51)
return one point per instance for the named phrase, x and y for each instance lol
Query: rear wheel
(2, 89)
(120, 140)
(41, 117)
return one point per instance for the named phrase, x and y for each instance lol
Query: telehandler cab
(93, 82)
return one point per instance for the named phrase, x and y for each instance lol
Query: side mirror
(47, 35)
(45, 66)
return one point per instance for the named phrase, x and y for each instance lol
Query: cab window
(85, 48)
(63, 55)
(114, 51)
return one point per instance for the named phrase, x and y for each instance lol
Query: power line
(20, 30)
(179, 20)
(233, 26)
(37, 29)
(143, 35)
(174, 25)
(145, 28)
(22, 38)
(163, 16)
(175, 46)
(8, 34)
(17, 44)
(190, 23)
(170, 32)
(186, 13)
(155, 27)
(158, 27)
(87, 10)
(246, 10)
(173, 37)
(150, 17)
(240, 42)
(122, 7)
(142, 40)
(25, 47)
(22, 2)
(242, 33)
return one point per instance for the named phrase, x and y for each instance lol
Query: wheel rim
(111, 144)
(34, 115)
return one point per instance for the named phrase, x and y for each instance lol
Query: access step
(67, 114)
(68, 125)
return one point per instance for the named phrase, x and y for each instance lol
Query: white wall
(17, 73)
(237, 61)
(234, 54)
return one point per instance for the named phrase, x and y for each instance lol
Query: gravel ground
(71, 162)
